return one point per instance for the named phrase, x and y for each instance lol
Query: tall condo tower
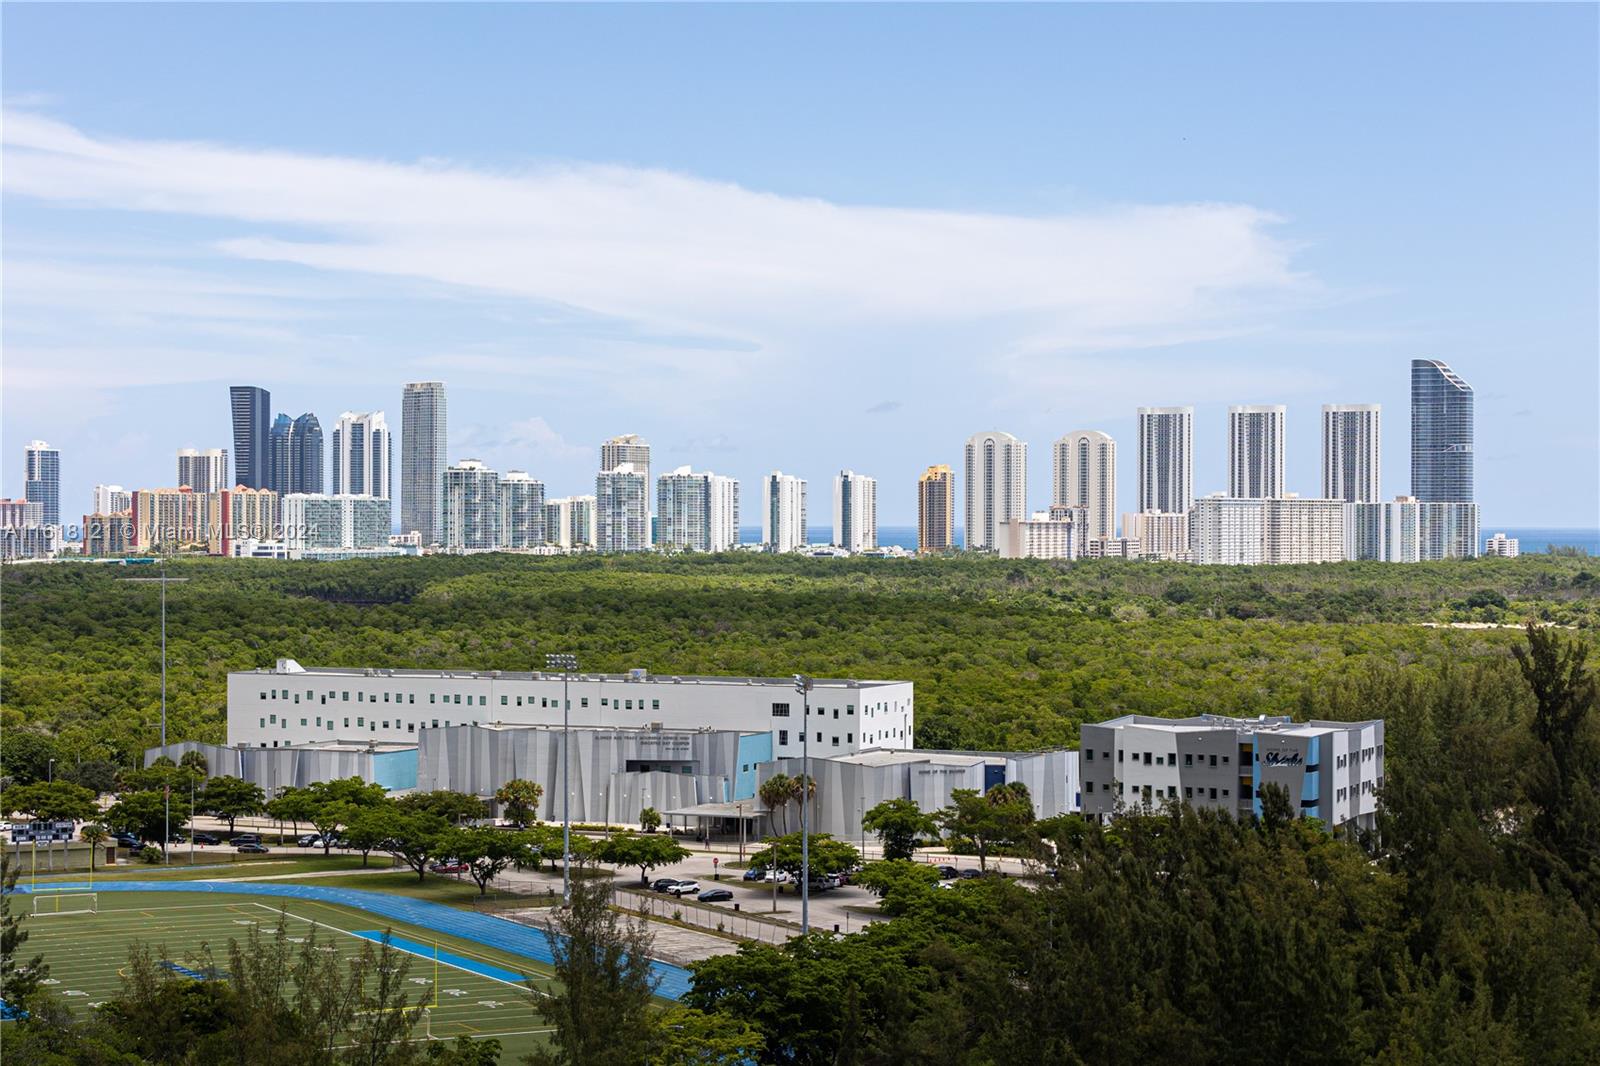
(422, 459)
(936, 509)
(697, 511)
(1166, 459)
(1441, 434)
(41, 481)
(1352, 452)
(471, 514)
(621, 510)
(252, 415)
(855, 511)
(997, 487)
(361, 455)
(1084, 466)
(1255, 452)
(205, 471)
(521, 510)
(628, 448)
(297, 454)
(783, 512)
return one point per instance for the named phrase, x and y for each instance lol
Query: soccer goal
(46, 904)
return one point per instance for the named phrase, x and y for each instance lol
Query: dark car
(948, 872)
(755, 873)
(252, 849)
(969, 874)
(247, 838)
(714, 895)
(206, 838)
(664, 884)
(126, 840)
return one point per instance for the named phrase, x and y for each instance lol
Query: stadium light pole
(566, 664)
(166, 790)
(802, 685)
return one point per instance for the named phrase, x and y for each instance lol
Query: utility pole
(566, 664)
(802, 685)
(166, 790)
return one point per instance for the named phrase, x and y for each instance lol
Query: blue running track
(459, 962)
(531, 943)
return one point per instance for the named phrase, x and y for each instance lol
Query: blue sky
(803, 238)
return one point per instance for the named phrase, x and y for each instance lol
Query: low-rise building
(1331, 770)
(1503, 546)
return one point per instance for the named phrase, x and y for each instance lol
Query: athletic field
(468, 988)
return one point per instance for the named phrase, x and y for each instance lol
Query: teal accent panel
(754, 748)
(395, 770)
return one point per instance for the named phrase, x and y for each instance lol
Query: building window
(263, 723)
(849, 738)
(783, 736)
(360, 722)
(604, 701)
(458, 697)
(1213, 791)
(1213, 761)
(411, 727)
(274, 719)
(386, 723)
(1147, 758)
(1224, 792)
(1188, 793)
(1224, 760)
(630, 705)
(347, 723)
(1088, 753)
(346, 697)
(1088, 786)
(849, 708)
(1172, 791)
(263, 695)
(361, 697)
(583, 701)
(483, 701)
(1119, 754)
(819, 738)
(436, 723)
(1188, 758)
(780, 710)
(655, 705)
(503, 701)
(385, 697)
(835, 740)
(302, 722)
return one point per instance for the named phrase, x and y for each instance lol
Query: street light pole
(166, 790)
(566, 664)
(802, 685)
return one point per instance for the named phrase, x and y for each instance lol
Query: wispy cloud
(673, 252)
(884, 407)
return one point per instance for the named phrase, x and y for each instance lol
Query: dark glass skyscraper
(252, 454)
(297, 455)
(1441, 434)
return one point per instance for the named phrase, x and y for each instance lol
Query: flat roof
(1262, 724)
(288, 667)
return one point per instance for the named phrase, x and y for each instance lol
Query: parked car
(206, 838)
(948, 872)
(308, 840)
(252, 849)
(684, 888)
(969, 873)
(782, 877)
(714, 895)
(247, 838)
(663, 884)
(448, 866)
(126, 840)
(755, 873)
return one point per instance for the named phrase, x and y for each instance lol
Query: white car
(782, 877)
(684, 888)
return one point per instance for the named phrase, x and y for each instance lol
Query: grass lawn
(473, 989)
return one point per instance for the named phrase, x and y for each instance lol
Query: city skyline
(1218, 256)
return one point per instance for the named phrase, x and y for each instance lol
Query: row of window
(361, 723)
(454, 698)
(1171, 793)
(781, 710)
(783, 738)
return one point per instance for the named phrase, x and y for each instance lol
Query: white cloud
(673, 252)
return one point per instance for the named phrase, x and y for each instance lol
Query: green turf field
(86, 951)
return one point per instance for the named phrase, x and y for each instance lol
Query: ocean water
(900, 536)
(1538, 540)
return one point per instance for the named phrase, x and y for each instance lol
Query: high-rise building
(621, 513)
(252, 455)
(1255, 451)
(1441, 434)
(697, 512)
(297, 456)
(422, 459)
(314, 520)
(936, 509)
(1166, 459)
(240, 514)
(42, 480)
(855, 511)
(15, 514)
(569, 522)
(108, 534)
(521, 510)
(1226, 530)
(111, 499)
(1161, 535)
(361, 454)
(205, 471)
(1085, 469)
(1352, 452)
(1296, 530)
(1408, 530)
(471, 507)
(997, 487)
(628, 448)
(1059, 533)
(783, 512)
(173, 519)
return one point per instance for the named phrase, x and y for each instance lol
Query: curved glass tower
(1441, 433)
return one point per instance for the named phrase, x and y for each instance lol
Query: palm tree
(802, 789)
(94, 835)
(775, 794)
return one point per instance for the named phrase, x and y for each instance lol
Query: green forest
(1005, 654)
